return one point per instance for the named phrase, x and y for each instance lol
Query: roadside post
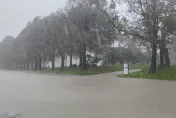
(126, 69)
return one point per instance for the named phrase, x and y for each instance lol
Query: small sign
(126, 69)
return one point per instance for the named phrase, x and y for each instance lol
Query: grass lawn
(94, 70)
(89, 71)
(161, 74)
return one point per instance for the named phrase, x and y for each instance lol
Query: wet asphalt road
(98, 96)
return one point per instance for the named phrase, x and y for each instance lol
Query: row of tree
(72, 31)
(91, 27)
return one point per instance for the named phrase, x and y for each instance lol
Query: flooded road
(98, 96)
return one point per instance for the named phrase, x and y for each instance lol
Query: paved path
(99, 96)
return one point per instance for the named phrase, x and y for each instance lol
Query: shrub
(94, 65)
(74, 66)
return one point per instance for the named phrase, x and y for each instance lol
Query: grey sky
(14, 14)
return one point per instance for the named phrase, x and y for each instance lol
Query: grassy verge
(95, 70)
(89, 71)
(161, 74)
(138, 66)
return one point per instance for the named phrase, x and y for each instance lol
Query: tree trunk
(27, 65)
(81, 59)
(164, 56)
(53, 62)
(32, 65)
(16, 65)
(71, 60)
(35, 61)
(162, 64)
(62, 61)
(84, 58)
(40, 63)
(35, 64)
(21, 66)
(154, 58)
(24, 65)
(167, 58)
(154, 32)
(43, 64)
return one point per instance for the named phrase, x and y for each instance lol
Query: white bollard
(126, 71)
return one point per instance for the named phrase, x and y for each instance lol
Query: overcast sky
(14, 14)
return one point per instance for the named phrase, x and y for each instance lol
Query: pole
(128, 69)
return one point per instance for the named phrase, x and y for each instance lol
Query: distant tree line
(91, 27)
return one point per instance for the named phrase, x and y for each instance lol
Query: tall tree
(147, 17)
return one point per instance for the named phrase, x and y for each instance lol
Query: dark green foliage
(122, 55)
(94, 65)
(74, 66)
